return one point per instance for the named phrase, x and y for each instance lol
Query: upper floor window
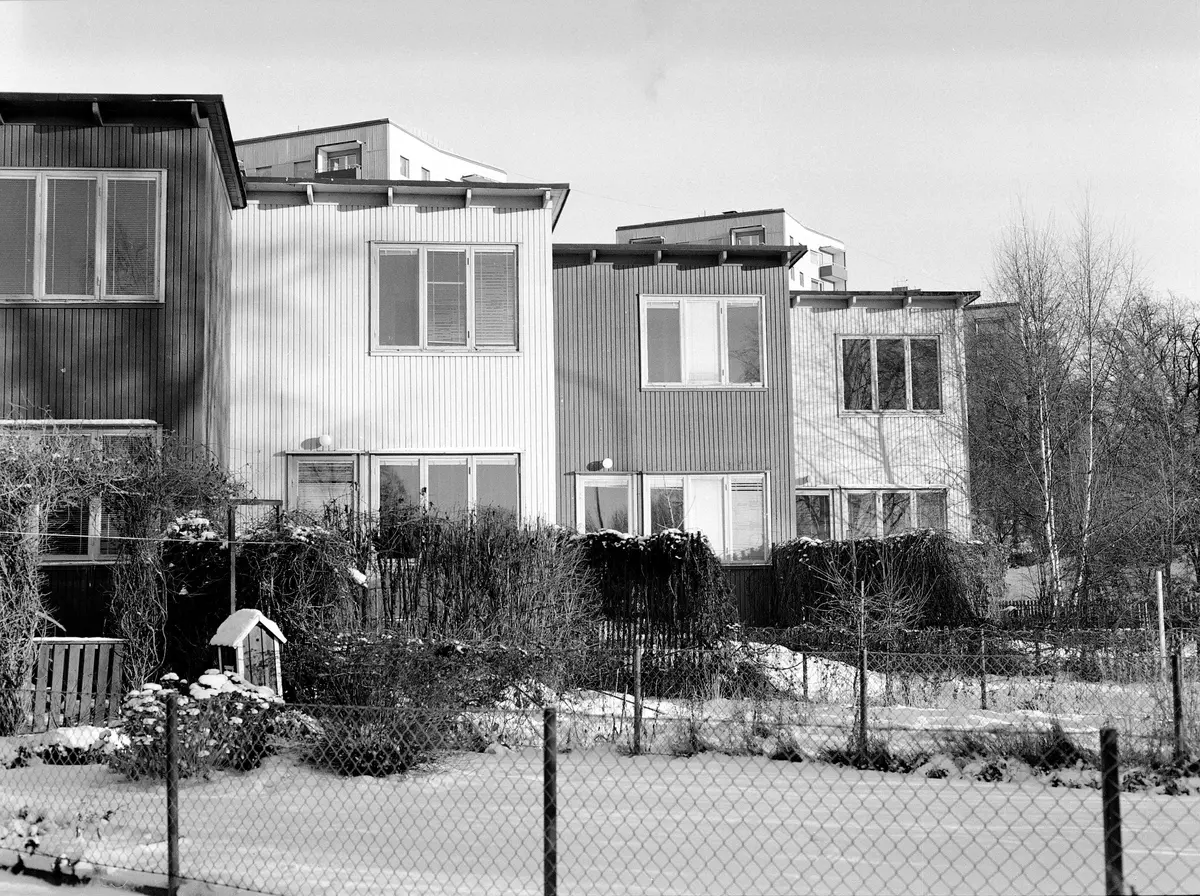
(425, 174)
(893, 373)
(647, 240)
(702, 341)
(403, 172)
(339, 156)
(302, 169)
(444, 298)
(748, 236)
(85, 234)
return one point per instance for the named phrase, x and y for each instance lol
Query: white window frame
(685, 480)
(647, 241)
(99, 429)
(842, 505)
(297, 458)
(605, 481)
(102, 176)
(336, 150)
(424, 460)
(735, 232)
(648, 301)
(829, 495)
(423, 250)
(908, 409)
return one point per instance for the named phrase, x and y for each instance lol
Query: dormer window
(748, 236)
(339, 157)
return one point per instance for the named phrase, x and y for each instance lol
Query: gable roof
(239, 624)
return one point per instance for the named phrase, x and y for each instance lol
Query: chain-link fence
(747, 770)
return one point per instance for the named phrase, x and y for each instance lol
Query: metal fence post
(637, 700)
(1177, 700)
(550, 801)
(982, 671)
(172, 794)
(862, 700)
(1110, 796)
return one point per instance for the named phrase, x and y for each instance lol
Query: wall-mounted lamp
(606, 463)
(325, 440)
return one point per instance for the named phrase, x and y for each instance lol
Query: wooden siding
(713, 231)
(837, 449)
(283, 152)
(604, 411)
(119, 362)
(301, 331)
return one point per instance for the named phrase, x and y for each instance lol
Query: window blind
(17, 199)
(447, 312)
(495, 298)
(748, 540)
(132, 222)
(70, 236)
(320, 482)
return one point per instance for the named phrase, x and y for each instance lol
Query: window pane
(66, 531)
(926, 384)
(131, 250)
(897, 513)
(399, 490)
(606, 507)
(399, 298)
(889, 355)
(813, 517)
(16, 235)
(666, 509)
(749, 238)
(745, 350)
(861, 520)
(113, 523)
(321, 482)
(447, 298)
(497, 484)
(662, 346)
(702, 322)
(856, 374)
(70, 237)
(448, 487)
(931, 510)
(496, 298)
(748, 536)
(705, 512)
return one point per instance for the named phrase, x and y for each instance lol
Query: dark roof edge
(684, 250)
(764, 211)
(968, 296)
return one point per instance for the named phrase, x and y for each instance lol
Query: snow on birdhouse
(249, 644)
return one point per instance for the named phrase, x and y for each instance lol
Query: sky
(911, 129)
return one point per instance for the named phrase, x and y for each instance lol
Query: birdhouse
(249, 644)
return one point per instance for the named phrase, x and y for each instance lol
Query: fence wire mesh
(752, 771)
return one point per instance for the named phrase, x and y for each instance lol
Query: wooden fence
(75, 681)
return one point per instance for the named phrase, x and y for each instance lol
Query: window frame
(99, 293)
(342, 149)
(296, 458)
(423, 347)
(606, 480)
(425, 459)
(747, 230)
(842, 525)
(647, 241)
(647, 301)
(875, 409)
(651, 481)
(828, 495)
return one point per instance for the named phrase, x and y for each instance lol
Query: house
(880, 412)
(393, 344)
(822, 267)
(114, 287)
(364, 150)
(674, 396)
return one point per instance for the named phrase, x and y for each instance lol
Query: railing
(75, 681)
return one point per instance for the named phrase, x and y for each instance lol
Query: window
(78, 235)
(702, 341)
(343, 160)
(317, 481)
(730, 509)
(604, 502)
(647, 240)
(895, 373)
(425, 175)
(302, 169)
(814, 515)
(403, 167)
(879, 513)
(449, 485)
(444, 298)
(88, 531)
(748, 236)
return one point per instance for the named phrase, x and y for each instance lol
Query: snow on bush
(223, 723)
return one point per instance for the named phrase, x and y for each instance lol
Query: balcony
(350, 172)
(834, 272)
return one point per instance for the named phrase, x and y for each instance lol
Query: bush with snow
(224, 722)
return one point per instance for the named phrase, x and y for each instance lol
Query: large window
(78, 235)
(883, 512)
(444, 298)
(730, 509)
(893, 373)
(702, 341)
(449, 485)
(604, 502)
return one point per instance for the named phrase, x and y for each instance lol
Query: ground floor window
(319, 482)
(814, 515)
(730, 509)
(449, 485)
(868, 513)
(604, 502)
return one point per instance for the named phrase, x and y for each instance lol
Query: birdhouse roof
(239, 624)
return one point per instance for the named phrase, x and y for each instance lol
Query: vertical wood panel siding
(301, 340)
(835, 449)
(283, 153)
(604, 412)
(713, 230)
(108, 361)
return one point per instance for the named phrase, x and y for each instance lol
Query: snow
(239, 624)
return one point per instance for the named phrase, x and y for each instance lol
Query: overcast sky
(908, 129)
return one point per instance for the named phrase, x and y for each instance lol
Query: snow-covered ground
(710, 823)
